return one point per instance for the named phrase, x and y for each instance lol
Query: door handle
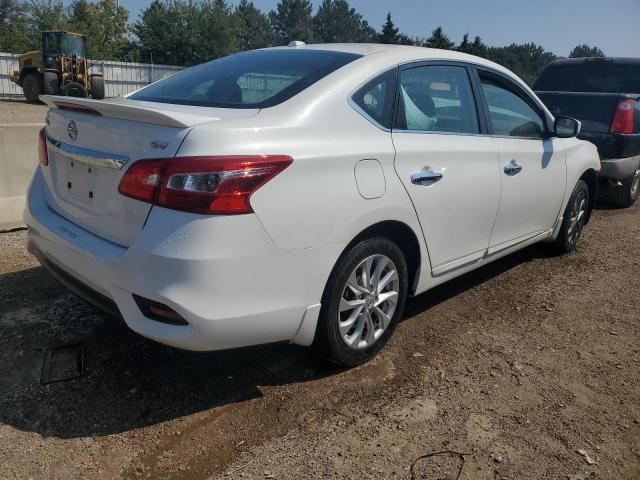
(426, 178)
(512, 168)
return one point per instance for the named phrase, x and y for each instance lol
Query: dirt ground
(19, 111)
(526, 369)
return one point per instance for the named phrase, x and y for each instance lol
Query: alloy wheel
(577, 218)
(368, 301)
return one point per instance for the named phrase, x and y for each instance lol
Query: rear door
(449, 168)
(532, 164)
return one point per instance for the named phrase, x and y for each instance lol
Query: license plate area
(82, 184)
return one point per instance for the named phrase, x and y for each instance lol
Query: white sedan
(301, 193)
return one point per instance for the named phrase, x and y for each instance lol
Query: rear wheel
(97, 87)
(32, 87)
(362, 303)
(575, 216)
(626, 194)
(51, 84)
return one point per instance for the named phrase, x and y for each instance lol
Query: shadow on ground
(131, 382)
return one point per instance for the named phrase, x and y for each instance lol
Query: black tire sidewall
(30, 81)
(51, 85)
(563, 239)
(328, 337)
(97, 87)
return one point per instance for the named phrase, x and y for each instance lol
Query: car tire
(51, 84)
(575, 217)
(97, 87)
(355, 323)
(625, 195)
(32, 87)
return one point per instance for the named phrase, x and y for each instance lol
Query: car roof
(404, 53)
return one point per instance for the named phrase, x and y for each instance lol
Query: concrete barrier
(18, 160)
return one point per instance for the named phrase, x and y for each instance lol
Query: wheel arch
(402, 235)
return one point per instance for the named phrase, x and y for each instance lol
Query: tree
(105, 25)
(181, 32)
(14, 36)
(584, 50)
(336, 21)
(465, 45)
(438, 39)
(526, 60)
(256, 30)
(292, 20)
(478, 47)
(389, 32)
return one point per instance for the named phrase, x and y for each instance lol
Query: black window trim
(509, 84)
(483, 129)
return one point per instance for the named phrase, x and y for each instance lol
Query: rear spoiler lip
(146, 112)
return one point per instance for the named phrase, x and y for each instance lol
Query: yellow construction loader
(60, 68)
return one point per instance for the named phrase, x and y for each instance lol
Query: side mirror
(566, 127)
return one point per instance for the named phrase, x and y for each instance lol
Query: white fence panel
(120, 78)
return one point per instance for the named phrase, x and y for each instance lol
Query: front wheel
(575, 216)
(362, 302)
(32, 87)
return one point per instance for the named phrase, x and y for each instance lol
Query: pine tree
(438, 39)
(292, 20)
(389, 31)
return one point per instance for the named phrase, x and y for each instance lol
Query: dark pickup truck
(604, 94)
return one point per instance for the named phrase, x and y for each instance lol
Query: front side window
(437, 99)
(509, 114)
(376, 98)
(255, 79)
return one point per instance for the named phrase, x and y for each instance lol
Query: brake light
(42, 147)
(75, 107)
(623, 118)
(208, 185)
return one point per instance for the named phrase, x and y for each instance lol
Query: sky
(556, 25)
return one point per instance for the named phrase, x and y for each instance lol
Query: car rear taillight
(623, 118)
(42, 147)
(208, 185)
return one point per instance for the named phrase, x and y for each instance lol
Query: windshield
(592, 76)
(58, 43)
(255, 79)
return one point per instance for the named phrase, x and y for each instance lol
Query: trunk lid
(92, 143)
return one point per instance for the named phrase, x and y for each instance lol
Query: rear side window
(436, 99)
(376, 98)
(601, 76)
(509, 114)
(255, 79)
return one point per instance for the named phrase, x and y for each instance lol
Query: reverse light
(208, 185)
(623, 118)
(43, 156)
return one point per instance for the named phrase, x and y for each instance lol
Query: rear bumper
(614, 145)
(619, 168)
(223, 275)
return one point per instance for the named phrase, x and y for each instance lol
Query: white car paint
(256, 278)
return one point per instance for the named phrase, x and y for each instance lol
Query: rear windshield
(255, 79)
(591, 76)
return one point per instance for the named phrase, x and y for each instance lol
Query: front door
(450, 171)
(532, 165)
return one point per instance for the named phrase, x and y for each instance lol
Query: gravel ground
(525, 369)
(19, 111)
